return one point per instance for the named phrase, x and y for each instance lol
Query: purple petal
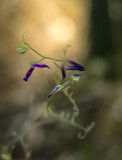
(63, 71)
(39, 65)
(75, 66)
(50, 95)
(28, 74)
(77, 75)
(71, 68)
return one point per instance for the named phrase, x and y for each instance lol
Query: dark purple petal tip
(50, 95)
(63, 71)
(74, 66)
(39, 65)
(28, 74)
(77, 75)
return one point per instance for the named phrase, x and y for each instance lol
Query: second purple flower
(73, 66)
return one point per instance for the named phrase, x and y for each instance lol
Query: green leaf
(22, 49)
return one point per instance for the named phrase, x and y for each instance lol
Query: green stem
(75, 107)
(39, 60)
(35, 51)
(53, 59)
(83, 130)
(57, 65)
(56, 116)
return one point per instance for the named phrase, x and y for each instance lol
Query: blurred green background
(94, 29)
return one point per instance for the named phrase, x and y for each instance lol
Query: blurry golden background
(93, 28)
(50, 26)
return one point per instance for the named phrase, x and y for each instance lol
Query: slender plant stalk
(53, 59)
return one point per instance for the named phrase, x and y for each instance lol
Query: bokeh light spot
(62, 29)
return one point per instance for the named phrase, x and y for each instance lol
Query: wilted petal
(39, 65)
(59, 88)
(74, 66)
(54, 90)
(63, 71)
(28, 74)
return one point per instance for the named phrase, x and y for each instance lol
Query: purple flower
(77, 75)
(74, 66)
(63, 71)
(33, 65)
(28, 74)
(39, 65)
